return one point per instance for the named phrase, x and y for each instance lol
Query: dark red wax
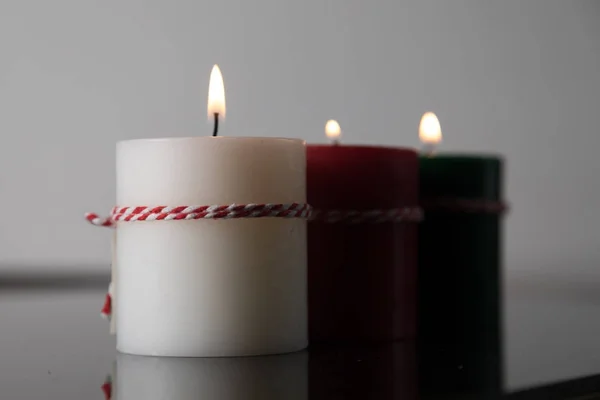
(361, 277)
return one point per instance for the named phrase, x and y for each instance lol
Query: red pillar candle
(361, 275)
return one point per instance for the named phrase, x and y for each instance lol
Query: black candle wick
(216, 128)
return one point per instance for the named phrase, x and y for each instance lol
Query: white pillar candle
(203, 288)
(282, 377)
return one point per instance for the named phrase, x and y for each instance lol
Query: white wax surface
(113, 282)
(283, 377)
(211, 287)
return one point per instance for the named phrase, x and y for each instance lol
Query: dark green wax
(459, 272)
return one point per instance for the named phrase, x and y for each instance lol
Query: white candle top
(210, 170)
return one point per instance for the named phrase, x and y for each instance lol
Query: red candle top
(361, 177)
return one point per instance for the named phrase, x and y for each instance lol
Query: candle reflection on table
(270, 377)
(384, 371)
(375, 372)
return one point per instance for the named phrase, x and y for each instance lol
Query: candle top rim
(224, 138)
(362, 146)
(450, 155)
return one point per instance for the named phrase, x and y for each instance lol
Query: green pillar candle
(459, 329)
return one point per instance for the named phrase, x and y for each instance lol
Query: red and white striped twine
(294, 210)
(458, 205)
(166, 213)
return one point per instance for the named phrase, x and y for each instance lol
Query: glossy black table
(54, 345)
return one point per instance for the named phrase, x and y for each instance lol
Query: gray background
(518, 78)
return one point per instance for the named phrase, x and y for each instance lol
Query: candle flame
(430, 131)
(216, 94)
(333, 130)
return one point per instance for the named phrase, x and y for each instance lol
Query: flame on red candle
(333, 130)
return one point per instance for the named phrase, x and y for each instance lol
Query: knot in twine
(107, 388)
(106, 311)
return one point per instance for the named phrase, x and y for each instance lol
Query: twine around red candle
(402, 214)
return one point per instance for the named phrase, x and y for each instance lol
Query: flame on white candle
(216, 94)
(333, 130)
(430, 131)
